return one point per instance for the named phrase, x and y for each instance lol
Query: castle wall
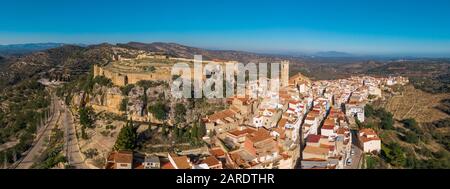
(122, 79)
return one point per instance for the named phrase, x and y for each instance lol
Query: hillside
(72, 60)
(417, 104)
(414, 127)
(182, 51)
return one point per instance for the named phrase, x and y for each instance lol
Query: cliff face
(101, 98)
(110, 99)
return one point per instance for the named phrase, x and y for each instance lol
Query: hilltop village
(307, 125)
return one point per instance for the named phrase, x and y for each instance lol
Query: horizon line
(280, 52)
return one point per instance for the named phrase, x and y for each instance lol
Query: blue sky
(369, 27)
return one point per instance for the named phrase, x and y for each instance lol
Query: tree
(411, 137)
(393, 153)
(124, 105)
(387, 121)
(86, 117)
(103, 81)
(180, 113)
(159, 111)
(369, 110)
(126, 89)
(412, 124)
(194, 132)
(127, 137)
(176, 131)
(202, 130)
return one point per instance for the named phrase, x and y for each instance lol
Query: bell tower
(284, 73)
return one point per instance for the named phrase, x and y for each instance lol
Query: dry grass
(414, 103)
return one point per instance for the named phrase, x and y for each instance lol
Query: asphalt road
(357, 157)
(40, 143)
(72, 151)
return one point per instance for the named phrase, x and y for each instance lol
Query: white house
(369, 141)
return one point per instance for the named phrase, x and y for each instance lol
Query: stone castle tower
(284, 73)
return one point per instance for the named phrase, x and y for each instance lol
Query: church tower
(284, 73)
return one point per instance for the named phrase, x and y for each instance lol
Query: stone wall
(122, 79)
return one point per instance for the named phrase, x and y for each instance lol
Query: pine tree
(202, 129)
(194, 132)
(127, 137)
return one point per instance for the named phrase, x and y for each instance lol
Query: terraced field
(414, 103)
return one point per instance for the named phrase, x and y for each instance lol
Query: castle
(122, 72)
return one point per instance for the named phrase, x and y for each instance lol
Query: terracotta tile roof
(328, 127)
(243, 132)
(259, 136)
(211, 161)
(342, 130)
(285, 156)
(294, 102)
(272, 110)
(217, 152)
(282, 122)
(182, 162)
(313, 138)
(368, 131)
(316, 150)
(167, 165)
(329, 122)
(138, 166)
(310, 118)
(280, 131)
(365, 139)
(121, 157)
(235, 109)
(221, 115)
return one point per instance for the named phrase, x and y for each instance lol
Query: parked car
(349, 161)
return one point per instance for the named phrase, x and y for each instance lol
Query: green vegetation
(126, 89)
(124, 105)
(442, 138)
(393, 154)
(377, 118)
(373, 161)
(439, 84)
(52, 155)
(150, 69)
(87, 117)
(127, 137)
(180, 113)
(414, 152)
(159, 110)
(91, 153)
(191, 134)
(149, 84)
(24, 108)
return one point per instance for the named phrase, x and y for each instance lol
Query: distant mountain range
(16, 64)
(17, 49)
(333, 54)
